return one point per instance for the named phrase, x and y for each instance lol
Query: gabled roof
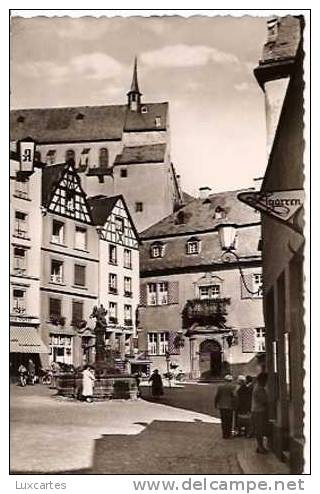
(84, 123)
(199, 216)
(51, 176)
(152, 153)
(101, 207)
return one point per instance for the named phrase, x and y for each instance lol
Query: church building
(117, 149)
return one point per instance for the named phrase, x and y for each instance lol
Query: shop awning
(26, 340)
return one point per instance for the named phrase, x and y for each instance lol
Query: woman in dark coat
(260, 411)
(156, 384)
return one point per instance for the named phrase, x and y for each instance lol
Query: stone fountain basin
(109, 387)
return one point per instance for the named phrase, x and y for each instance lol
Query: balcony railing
(19, 310)
(113, 290)
(56, 278)
(113, 320)
(128, 293)
(205, 312)
(21, 233)
(128, 322)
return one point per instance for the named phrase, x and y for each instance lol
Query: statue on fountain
(104, 361)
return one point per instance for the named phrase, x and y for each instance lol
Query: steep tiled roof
(101, 207)
(199, 215)
(51, 176)
(146, 118)
(83, 123)
(152, 153)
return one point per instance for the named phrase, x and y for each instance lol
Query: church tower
(134, 95)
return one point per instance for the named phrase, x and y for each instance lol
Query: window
(157, 293)
(57, 232)
(123, 173)
(103, 158)
(128, 315)
(139, 207)
(77, 312)
(193, 246)
(209, 291)
(119, 224)
(158, 121)
(20, 259)
(260, 337)
(152, 343)
(54, 307)
(51, 157)
(80, 238)
(112, 254)
(79, 275)
(70, 156)
(158, 343)
(22, 188)
(61, 348)
(113, 312)
(113, 283)
(157, 250)
(257, 285)
(144, 109)
(127, 286)
(219, 213)
(84, 159)
(127, 258)
(19, 301)
(56, 274)
(21, 228)
(163, 343)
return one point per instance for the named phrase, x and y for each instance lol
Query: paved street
(51, 434)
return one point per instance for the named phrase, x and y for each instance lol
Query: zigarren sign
(281, 205)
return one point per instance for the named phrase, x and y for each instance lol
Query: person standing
(225, 402)
(243, 406)
(260, 411)
(88, 379)
(156, 384)
(31, 371)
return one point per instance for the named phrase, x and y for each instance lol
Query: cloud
(84, 29)
(242, 86)
(186, 56)
(98, 66)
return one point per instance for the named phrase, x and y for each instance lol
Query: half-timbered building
(118, 272)
(69, 265)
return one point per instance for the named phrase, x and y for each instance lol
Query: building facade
(25, 267)
(117, 149)
(69, 265)
(198, 312)
(118, 274)
(283, 243)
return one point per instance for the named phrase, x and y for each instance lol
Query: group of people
(27, 374)
(243, 407)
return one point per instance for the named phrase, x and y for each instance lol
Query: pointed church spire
(134, 95)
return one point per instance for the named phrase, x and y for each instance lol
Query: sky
(203, 66)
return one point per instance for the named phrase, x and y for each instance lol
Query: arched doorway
(210, 359)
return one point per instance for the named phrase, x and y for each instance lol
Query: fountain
(110, 382)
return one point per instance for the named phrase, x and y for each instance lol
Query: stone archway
(210, 359)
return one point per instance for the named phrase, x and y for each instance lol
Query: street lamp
(227, 234)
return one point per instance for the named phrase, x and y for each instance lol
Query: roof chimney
(204, 192)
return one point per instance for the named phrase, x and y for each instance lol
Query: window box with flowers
(79, 324)
(57, 320)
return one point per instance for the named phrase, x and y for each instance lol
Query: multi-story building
(118, 272)
(117, 149)
(280, 75)
(198, 311)
(69, 264)
(25, 266)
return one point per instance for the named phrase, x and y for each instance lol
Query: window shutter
(143, 294)
(77, 311)
(249, 283)
(173, 349)
(54, 307)
(79, 275)
(248, 340)
(173, 292)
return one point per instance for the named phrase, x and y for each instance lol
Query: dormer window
(80, 116)
(193, 246)
(144, 109)
(20, 119)
(157, 250)
(180, 218)
(70, 156)
(219, 213)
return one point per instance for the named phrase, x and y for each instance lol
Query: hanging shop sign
(282, 204)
